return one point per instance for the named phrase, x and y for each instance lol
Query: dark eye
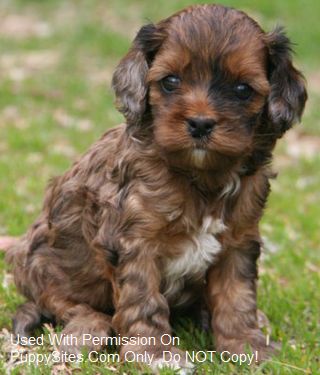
(243, 91)
(170, 83)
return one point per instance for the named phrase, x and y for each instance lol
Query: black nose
(200, 127)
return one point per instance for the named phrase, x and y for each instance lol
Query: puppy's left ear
(129, 78)
(288, 92)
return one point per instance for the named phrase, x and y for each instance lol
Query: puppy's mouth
(201, 151)
(201, 143)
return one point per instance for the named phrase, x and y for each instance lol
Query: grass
(55, 100)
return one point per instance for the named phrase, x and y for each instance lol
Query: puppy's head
(211, 81)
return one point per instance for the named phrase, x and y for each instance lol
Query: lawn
(56, 63)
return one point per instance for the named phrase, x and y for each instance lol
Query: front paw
(76, 336)
(254, 341)
(174, 359)
(72, 342)
(158, 359)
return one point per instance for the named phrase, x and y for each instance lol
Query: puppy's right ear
(129, 78)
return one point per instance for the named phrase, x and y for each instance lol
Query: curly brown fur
(166, 208)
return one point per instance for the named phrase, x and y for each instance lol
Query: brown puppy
(164, 210)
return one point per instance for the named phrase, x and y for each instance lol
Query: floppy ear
(288, 92)
(129, 78)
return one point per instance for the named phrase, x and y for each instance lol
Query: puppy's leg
(232, 299)
(142, 311)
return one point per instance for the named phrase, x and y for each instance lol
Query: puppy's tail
(28, 315)
(26, 319)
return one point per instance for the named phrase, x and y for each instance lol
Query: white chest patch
(198, 254)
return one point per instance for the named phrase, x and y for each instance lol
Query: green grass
(51, 112)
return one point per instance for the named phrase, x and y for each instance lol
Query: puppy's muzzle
(199, 127)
